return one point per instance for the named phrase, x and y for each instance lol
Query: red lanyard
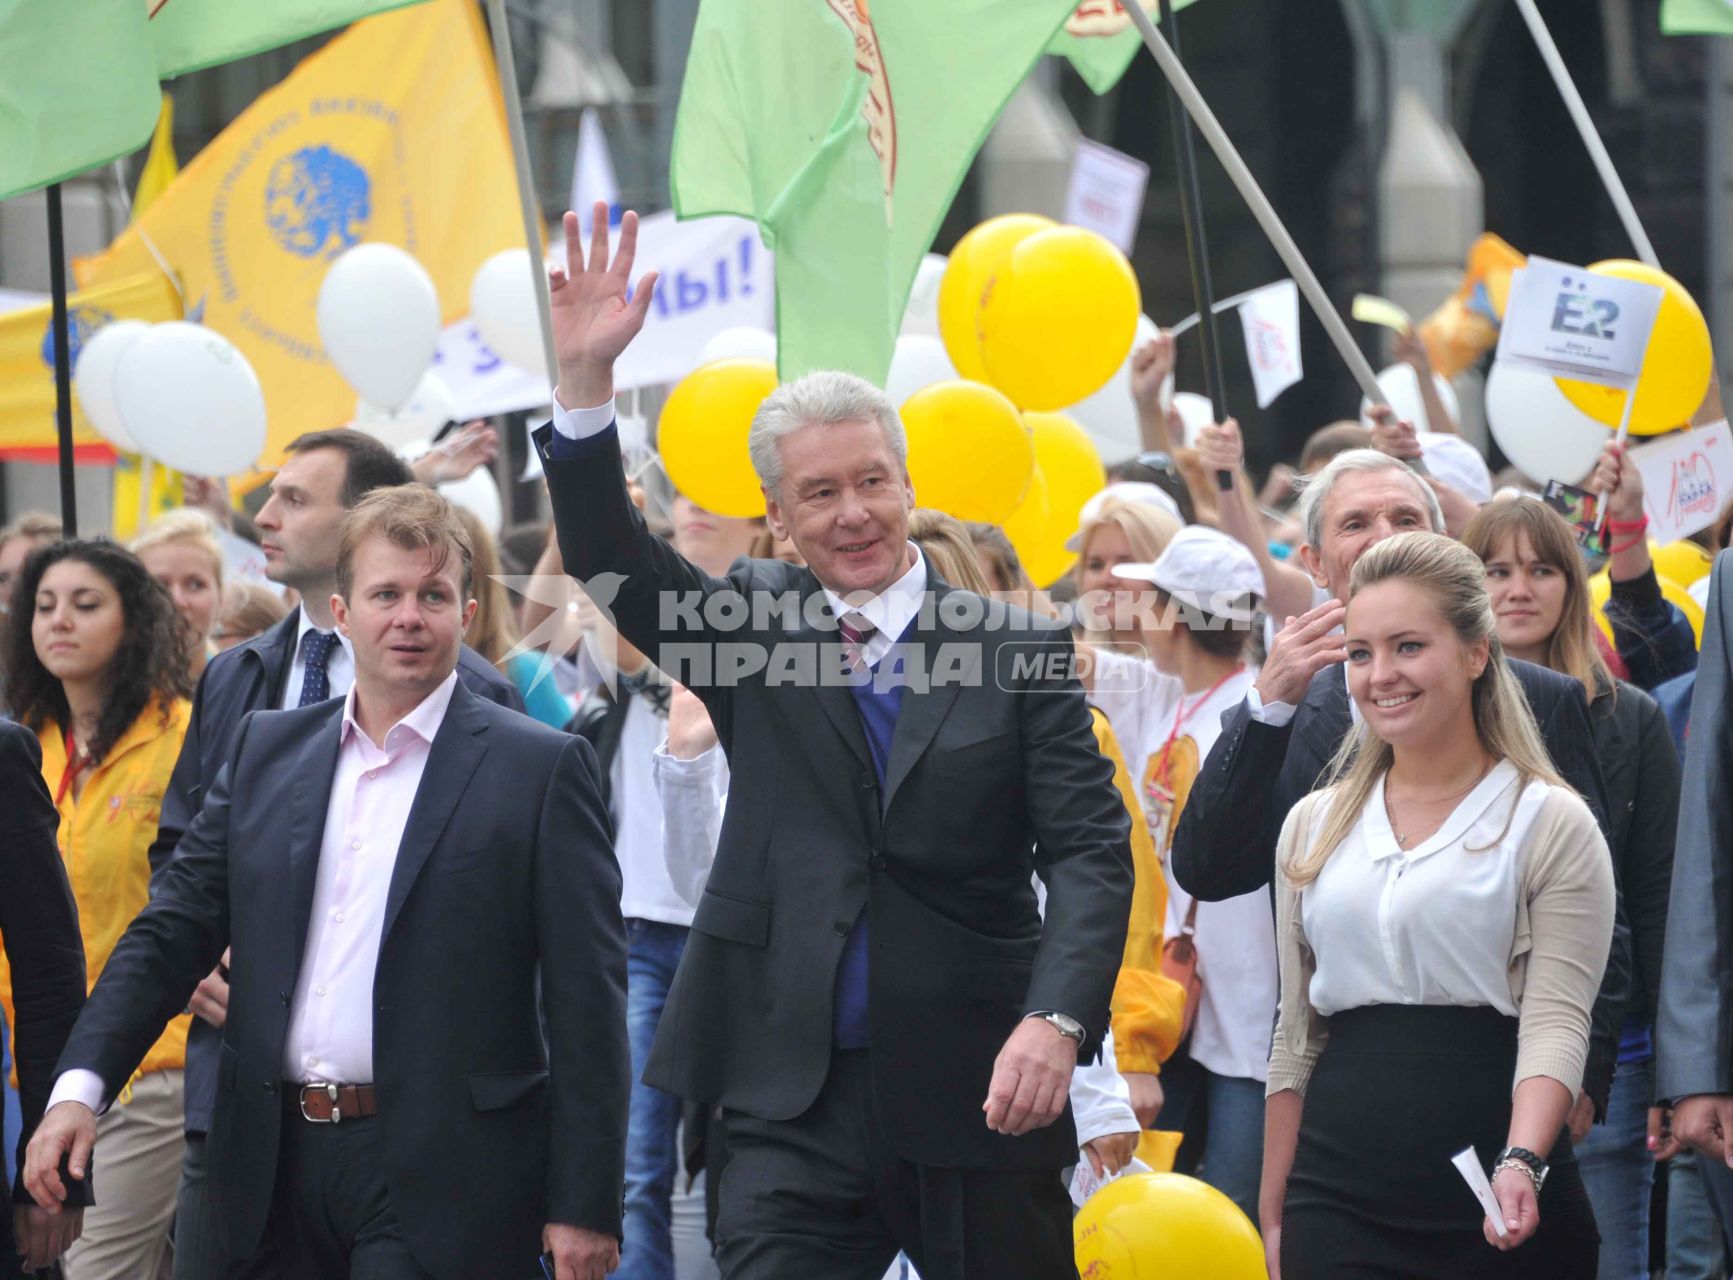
(1183, 713)
(74, 767)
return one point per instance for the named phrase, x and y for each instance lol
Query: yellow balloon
(969, 455)
(1059, 318)
(1047, 566)
(1682, 561)
(1026, 527)
(1600, 588)
(1165, 1226)
(702, 435)
(976, 259)
(1072, 469)
(1676, 370)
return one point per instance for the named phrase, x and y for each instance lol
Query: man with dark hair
(301, 660)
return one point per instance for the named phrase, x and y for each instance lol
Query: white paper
(1106, 194)
(1468, 1165)
(593, 172)
(1572, 323)
(244, 561)
(1271, 319)
(1084, 1183)
(1687, 480)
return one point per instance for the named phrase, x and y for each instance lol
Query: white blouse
(1432, 925)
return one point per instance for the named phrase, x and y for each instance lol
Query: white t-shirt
(646, 890)
(1236, 940)
(1430, 926)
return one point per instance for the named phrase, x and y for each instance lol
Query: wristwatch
(1063, 1025)
(1524, 1161)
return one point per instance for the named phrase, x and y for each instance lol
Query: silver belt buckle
(331, 1093)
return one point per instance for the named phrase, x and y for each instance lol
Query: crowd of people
(817, 896)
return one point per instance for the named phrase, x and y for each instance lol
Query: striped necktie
(857, 634)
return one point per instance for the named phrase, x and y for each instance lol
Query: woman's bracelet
(1522, 1167)
(1628, 526)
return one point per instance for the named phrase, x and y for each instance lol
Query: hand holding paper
(1468, 1165)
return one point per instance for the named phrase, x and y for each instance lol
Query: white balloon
(1195, 412)
(379, 319)
(429, 409)
(93, 379)
(506, 312)
(1401, 388)
(921, 315)
(919, 362)
(739, 342)
(1110, 416)
(1542, 433)
(190, 400)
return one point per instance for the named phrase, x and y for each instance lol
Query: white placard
(1106, 194)
(1687, 480)
(1084, 1183)
(1572, 323)
(1468, 1165)
(1271, 319)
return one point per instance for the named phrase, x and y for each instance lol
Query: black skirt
(1397, 1091)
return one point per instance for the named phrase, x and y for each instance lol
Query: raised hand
(1151, 363)
(1301, 649)
(596, 313)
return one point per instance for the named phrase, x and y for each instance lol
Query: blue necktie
(316, 646)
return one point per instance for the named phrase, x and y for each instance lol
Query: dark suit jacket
(1694, 1029)
(505, 875)
(1225, 844)
(250, 677)
(39, 921)
(991, 776)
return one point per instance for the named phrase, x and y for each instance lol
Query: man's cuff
(78, 1085)
(581, 424)
(1274, 714)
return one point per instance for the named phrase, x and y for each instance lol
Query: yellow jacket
(105, 838)
(1148, 1008)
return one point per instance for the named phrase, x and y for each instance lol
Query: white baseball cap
(1206, 569)
(1455, 462)
(1140, 492)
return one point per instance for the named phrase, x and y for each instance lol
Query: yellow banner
(27, 355)
(392, 132)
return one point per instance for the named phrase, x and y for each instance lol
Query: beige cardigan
(1564, 929)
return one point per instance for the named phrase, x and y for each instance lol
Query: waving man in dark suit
(868, 990)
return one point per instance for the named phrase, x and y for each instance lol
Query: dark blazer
(1225, 844)
(992, 776)
(505, 876)
(251, 677)
(39, 921)
(1694, 1028)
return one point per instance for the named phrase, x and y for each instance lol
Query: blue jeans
(652, 1158)
(1696, 1248)
(1222, 1118)
(1619, 1174)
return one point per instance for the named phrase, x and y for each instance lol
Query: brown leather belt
(334, 1103)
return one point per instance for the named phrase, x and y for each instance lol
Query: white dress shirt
(339, 663)
(1432, 925)
(331, 1017)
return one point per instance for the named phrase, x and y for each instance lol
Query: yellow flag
(392, 132)
(160, 166)
(27, 360)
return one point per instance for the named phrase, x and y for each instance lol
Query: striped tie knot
(857, 633)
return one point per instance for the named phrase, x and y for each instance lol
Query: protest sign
(1687, 480)
(1106, 193)
(1574, 323)
(1271, 319)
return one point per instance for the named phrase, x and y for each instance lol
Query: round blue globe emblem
(317, 202)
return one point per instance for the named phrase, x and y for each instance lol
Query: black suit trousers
(823, 1195)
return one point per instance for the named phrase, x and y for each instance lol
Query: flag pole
(526, 186)
(1219, 142)
(62, 362)
(1196, 240)
(1579, 113)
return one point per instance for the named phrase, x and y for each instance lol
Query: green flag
(74, 92)
(191, 34)
(1697, 17)
(845, 129)
(1100, 41)
(78, 78)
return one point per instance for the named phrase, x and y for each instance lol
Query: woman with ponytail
(1444, 911)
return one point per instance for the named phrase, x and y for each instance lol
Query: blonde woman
(1444, 912)
(1121, 531)
(180, 550)
(493, 631)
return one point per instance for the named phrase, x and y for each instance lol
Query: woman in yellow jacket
(96, 666)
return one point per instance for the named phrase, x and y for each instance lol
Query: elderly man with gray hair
(1277, 745)
(869, 989)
